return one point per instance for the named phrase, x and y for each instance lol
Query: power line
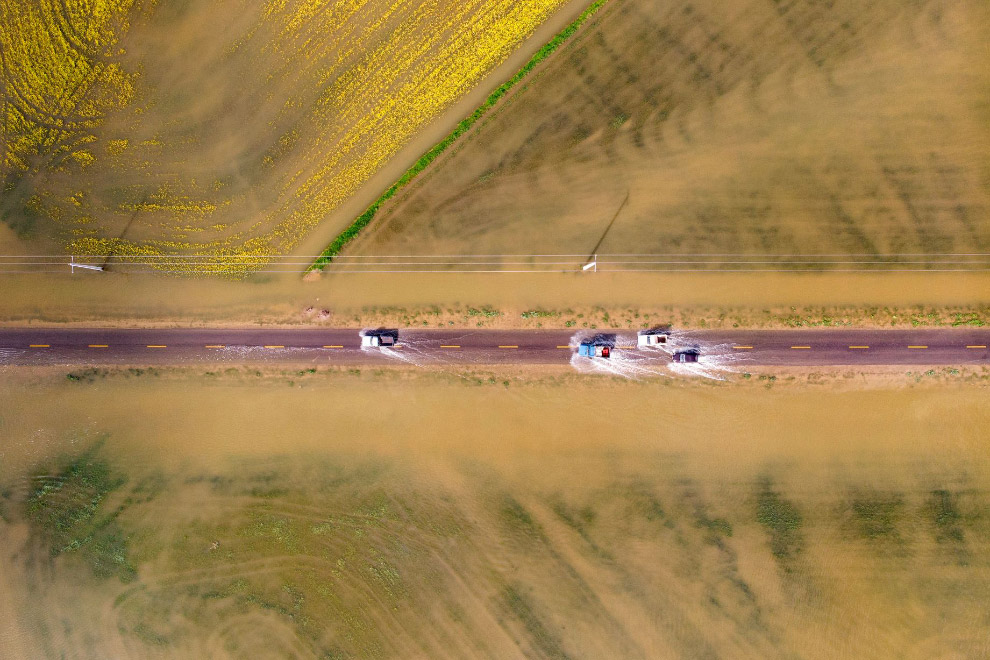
(201, 264)
(445, 256)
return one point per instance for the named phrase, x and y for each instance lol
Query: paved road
(26, 346)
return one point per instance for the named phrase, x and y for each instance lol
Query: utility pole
(73, 265)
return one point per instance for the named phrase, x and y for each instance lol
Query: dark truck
(686, 355)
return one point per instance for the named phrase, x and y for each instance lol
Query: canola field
(153, 129)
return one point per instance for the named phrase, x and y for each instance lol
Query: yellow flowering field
(134, 127)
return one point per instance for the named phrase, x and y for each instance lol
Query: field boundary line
(463, 127)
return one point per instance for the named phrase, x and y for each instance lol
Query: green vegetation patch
(971, 319)
(68, 511)
(545, 642)
(581, 521)
(486, 311)
(463, 127)
(540, 314)
(519, 520)
(944, 509)
(782, 521)
(875, 515)
(716, 527)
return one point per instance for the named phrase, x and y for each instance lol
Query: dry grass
(340, 559)
(545, 520)
(743, 127)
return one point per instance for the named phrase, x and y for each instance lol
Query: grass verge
(463, 127)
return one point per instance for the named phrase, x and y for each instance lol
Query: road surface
(818, 347)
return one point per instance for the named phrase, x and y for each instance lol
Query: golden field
(145, 128)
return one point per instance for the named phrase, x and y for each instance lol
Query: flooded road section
(709, 354)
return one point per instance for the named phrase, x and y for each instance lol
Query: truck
(652, 337)
(599, 346)
(686, 355)
(379, 337)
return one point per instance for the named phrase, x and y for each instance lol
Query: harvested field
(143, 128)
(792, 127)
(544, 521)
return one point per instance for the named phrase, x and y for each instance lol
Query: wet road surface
(812, 347)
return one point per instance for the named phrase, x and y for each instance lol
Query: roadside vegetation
(634, 318)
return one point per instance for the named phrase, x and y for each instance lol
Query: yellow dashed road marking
(803, 348)
(333, 346)
(98, 346)
(563, 347)
(449, 346)
(508, 346)
(157, 346)
(40, 346)
(977, 346)
(859, 347)
(274, 346)
(917, 347)
(742, 348)
(215, 346)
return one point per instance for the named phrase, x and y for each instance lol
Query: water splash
(236, 353)
(409, 350)
(402, 354)
(628, 360)
(625, 363)
(716, 361)
(10, 355)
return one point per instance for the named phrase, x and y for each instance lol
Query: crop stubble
(546, 521)
(742, 127)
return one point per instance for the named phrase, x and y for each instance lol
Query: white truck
(378, 338)
(652, 337)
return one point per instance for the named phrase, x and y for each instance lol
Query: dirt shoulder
(305, 376)
(519, 317)
(602, 300)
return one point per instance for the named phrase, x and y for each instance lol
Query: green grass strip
(463, 127)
